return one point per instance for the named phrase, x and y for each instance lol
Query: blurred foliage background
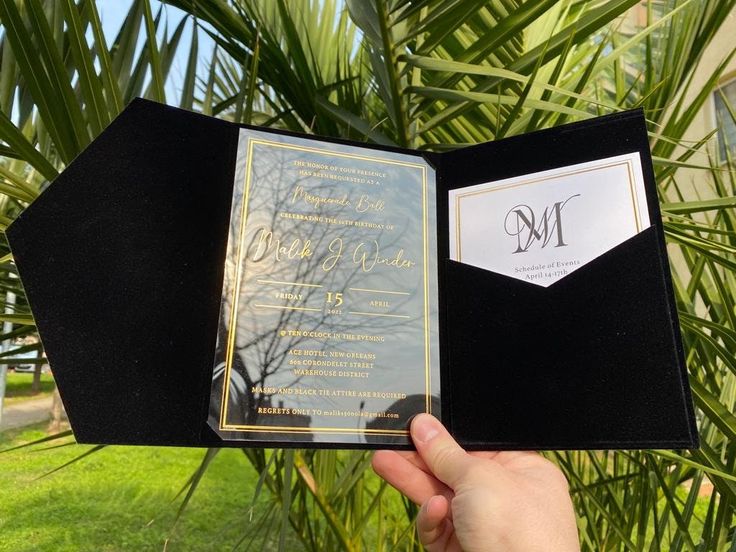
(427, 74)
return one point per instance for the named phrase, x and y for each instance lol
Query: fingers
(433, 526)
(443, 456)
(407, 476)
(413, 457)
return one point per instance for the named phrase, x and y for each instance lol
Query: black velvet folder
(122, 261)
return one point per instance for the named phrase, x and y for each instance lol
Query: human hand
(480, 501)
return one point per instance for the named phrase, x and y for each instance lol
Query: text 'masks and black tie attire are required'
(201, 283)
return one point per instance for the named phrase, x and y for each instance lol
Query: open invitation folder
(201, 283)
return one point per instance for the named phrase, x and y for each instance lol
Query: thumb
(447, 461)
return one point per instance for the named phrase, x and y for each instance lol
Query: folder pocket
(593, 361)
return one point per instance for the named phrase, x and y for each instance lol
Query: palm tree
(429, 74)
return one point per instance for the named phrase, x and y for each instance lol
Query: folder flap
(593, 361)
(589, 362)
(122, 261)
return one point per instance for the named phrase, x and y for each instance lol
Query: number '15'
(334, 297)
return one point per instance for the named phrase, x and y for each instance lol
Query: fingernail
(424, 428)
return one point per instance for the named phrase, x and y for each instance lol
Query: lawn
(18, 387)
(124, 498)
(121, 498)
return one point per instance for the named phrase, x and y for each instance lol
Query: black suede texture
(582, 363)
(122, 260)
(593, 361)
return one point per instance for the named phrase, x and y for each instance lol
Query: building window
(725, 98)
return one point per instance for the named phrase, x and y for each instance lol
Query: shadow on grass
(19, 386)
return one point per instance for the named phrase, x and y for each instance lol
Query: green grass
(18, 387)
(121, 498)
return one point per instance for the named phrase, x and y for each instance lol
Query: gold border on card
(536, 180)
(230, 349)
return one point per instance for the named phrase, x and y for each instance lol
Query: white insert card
(540, 227)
